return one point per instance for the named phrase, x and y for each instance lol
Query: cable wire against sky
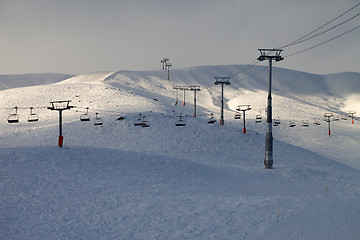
(307, 37)
(317, 29)
(322, 43)
(318, 34)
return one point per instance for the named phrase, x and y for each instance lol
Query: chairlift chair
(292, 123)
(317, 122)
(180, 122)
(145, 123)
(14, 117)
(85, 117)
(212, 119)
(277, 121)
(98, 121)
(258, 117)
(305, 123)
(237, 116)
(120, 118)
(139, 121)
(33, 117)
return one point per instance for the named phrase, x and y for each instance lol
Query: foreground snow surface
(200, 181)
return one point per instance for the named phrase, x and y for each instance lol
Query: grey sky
(81, 36)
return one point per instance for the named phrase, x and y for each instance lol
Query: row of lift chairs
(86, 118)
(33, 117)
(258, 118)
(144, 123)
(14, 117)
(179, 123)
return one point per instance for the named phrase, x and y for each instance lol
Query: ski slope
(199, 181)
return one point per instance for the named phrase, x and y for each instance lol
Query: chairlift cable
(325, 31)
(319, 44)
(317, 29)
(306, 37)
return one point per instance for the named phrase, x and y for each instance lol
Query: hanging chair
(14, 117)
(33, 117)
(85, 117)
(98, 121)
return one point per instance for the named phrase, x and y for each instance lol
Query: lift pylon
(271, 55)
(243, 108)
(222, 81)
(184, 88)
(328, 116)
(195, 89)
(60, 106)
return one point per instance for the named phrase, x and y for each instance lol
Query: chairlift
(180, 122)
(258, 117)
(276, 121)
(237, 115)
(85, 117)
(14, 117)
(292, 123)
(317, 121)
(120, 118)
(337, 118)
(33, 117)
(305, 123)
(344, 118)
(145, 123)
(139, 121)
(98, 121)
(212, 119)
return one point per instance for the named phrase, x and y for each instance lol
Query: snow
(25, 80)
(200, 181)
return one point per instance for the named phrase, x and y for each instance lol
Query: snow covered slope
(25, 80)
(199, 181)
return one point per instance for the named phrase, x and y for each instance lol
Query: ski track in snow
(200, 181)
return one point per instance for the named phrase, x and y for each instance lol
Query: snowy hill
(198, 181)
(25, 80)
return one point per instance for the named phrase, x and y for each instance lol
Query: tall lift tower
(195, 89)
(222, 81)
(271, 55)
(168, 65)
(164, 62)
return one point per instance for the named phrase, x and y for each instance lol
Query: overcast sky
(81, 36)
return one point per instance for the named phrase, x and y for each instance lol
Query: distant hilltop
(34, 79)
